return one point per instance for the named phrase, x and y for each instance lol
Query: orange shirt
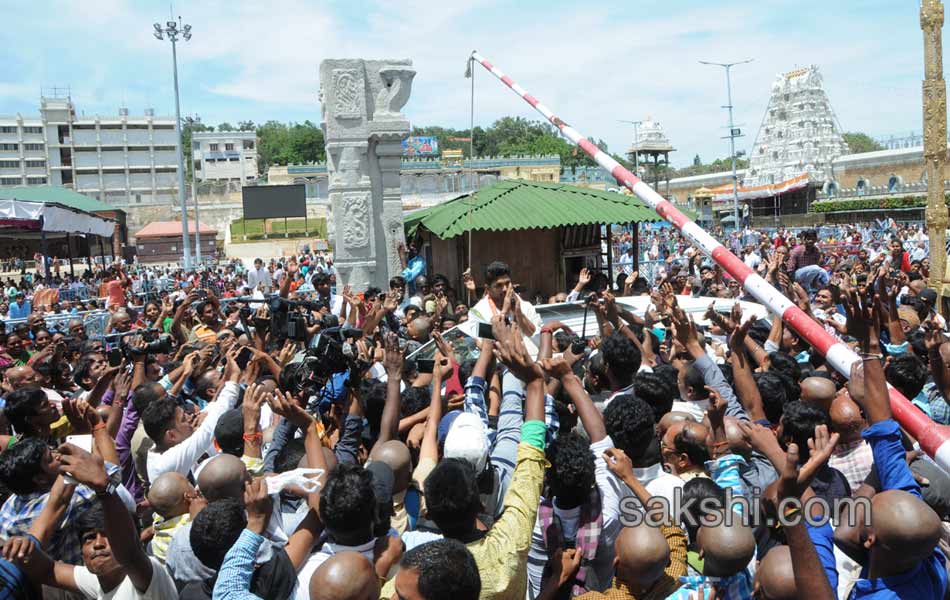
(115, 293)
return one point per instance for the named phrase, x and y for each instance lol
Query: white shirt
(752, 260)
(161, 587)
(183, 457)
(259, 278)
(482, 312)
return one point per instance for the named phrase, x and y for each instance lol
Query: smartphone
(115, 357)
(484, 331)
(425, 365)
(244, 357)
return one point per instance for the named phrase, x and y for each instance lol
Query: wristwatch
(112, 484)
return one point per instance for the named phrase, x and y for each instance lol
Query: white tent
(50, 218)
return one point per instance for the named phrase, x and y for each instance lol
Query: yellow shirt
(502, 555)
(164, 532)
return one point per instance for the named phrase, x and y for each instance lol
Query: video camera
(156, 343)
(286, 321)
(331, 353)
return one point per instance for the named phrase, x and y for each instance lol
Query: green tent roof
(54, 194)
(513, 204)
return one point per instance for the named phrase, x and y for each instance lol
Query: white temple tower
(799, 133)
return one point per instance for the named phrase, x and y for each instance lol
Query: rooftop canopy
(513, 204)
(171, 228)
(53, 211)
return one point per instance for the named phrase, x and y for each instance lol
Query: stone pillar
(363, 128)
(935, 139)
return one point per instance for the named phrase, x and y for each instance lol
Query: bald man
(170, 497)
(648, 562)
(683, 449)
(818, 391)
(223, 477)
(775, 579)
(419, 329)
(346, 575)
(852, 455)
(726, 550)
(667, 421)
(395, 454)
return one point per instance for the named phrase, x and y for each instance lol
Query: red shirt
(115, 292)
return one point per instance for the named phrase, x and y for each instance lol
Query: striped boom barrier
(934, 438)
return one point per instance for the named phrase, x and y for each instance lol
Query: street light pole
(636, 144)
(172, 31)
(733, 134)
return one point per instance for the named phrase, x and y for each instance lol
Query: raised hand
(81, 416)
(284, 404)
(820, 448)
(468, 280)
(393, 359)
(557, 368)
(443, 346)
(258, 504)
(511, 352)
(122, 385)
(88, 469)
(618, 463)
(717, 405)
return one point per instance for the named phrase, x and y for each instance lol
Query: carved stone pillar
(935, 138)
(363, 129)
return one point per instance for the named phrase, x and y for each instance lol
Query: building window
(36, 164)
(32, 130)
(32, 146)
(163, 126)
(248, 145)
(229, 146)
(36, 180)
(213, 147)
(10, 180)
(7, 129)
(196, 145)
(10, 147)
(9, 164)
(174, 248)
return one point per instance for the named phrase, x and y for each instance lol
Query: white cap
(466, 440)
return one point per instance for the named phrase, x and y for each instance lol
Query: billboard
(274, 201)
(420, 146)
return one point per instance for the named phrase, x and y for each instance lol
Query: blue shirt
(234, 578)
(21, 311)
(926, 580)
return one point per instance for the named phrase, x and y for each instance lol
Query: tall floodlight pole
(636, 145)
(935, 138)
(733, 134)
(173, 30)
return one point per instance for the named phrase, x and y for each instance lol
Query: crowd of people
(262, 432)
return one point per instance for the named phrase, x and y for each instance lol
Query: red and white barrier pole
(934, 438)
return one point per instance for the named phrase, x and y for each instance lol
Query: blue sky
(592, 63)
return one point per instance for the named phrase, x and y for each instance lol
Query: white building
(224, 155)
(799, 134)
(121, 160)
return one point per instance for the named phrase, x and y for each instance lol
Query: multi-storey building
(121, 160)
(224, 155)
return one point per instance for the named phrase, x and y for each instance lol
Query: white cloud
(592, 64)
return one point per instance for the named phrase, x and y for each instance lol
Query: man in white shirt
(178, 442)
(115, 565)
(259, 277)
(751, 258)
(498, 287)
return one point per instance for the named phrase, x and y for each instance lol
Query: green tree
(246, 126)
(225, 127)
(190, 125)
(859, 143)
